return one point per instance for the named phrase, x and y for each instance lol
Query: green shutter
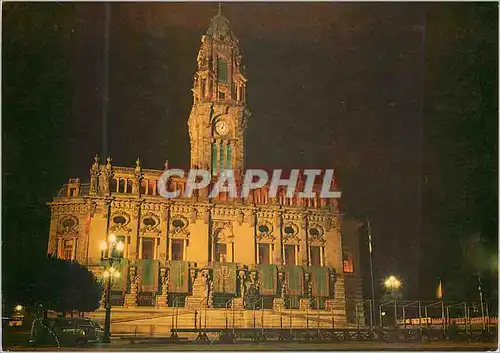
(221, 70)
(221, 160)
(229, 162)
(214, 158)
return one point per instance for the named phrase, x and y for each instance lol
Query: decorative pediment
(120, 217)
(178, 223)
(315, 234)
(223, 232)
(179, 227)
(264, 237)
(68, 224)
(119, 222)
(150, 223)
(265, 230)
(291, 233)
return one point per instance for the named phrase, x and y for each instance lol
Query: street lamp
(392, 283)
(109, 249)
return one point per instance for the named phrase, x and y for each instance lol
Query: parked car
(66, 331)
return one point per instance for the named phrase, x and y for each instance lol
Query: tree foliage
(55, 284)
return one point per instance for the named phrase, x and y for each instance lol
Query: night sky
(400, 98)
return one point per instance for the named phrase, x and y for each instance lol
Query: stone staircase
(159, 324)
(198, 297)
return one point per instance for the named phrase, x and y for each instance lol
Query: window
(143, 187)
(67, 253)
(348, 263)
(315, 252)
(129, 186)
(72, 192)
(290, 255)
(203, 87)
(221, 70)
(220, 252)
(122, 186)
(178, 249)
(264, 254)
(152, 187)
(147, 248)
(222, 95)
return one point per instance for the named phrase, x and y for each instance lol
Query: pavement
(125, 345)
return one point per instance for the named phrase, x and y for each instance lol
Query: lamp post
(392, 284)
(109, 251)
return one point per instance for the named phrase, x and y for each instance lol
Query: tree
(54, 284)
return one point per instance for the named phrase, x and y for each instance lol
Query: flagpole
(371, 268)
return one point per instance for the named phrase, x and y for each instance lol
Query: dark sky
(400, 98)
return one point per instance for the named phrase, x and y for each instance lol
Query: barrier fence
(388, 321)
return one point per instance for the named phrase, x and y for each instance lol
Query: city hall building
(204, 256)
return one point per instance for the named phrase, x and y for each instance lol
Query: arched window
(221, 70)
(122, 185)
(143, 186)
(129, 186)
(114, 185)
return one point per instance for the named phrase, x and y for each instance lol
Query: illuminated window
(264, 254)
(178, 249)
(290, 255)
(147, 248)
(315, 252)
(220, 252)
(67, 251)
(348, 263)
(221, 70)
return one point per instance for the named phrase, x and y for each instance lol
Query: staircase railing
(175, 318)
(226, 305)
(254, 305)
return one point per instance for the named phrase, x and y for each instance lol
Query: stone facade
(125, 201)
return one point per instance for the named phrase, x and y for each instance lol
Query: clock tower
(217, 121)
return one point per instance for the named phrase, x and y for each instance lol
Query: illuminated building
(198, 252)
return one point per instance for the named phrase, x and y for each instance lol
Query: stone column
(131, 298)
(279, 303)
(161, 300)
(238, 302)
(305, 303)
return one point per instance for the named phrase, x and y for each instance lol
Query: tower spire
(219, 12)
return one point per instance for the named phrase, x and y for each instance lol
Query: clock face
(222, 127)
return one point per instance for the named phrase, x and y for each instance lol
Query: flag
(369, 235)
(439, 292)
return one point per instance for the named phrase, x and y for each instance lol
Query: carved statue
(94, 176)
(164, 281)
(108, 162)
(240, 216)
(208, 286)
(138, 165)
(283, 288)
(133, 277)
(243, 287)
